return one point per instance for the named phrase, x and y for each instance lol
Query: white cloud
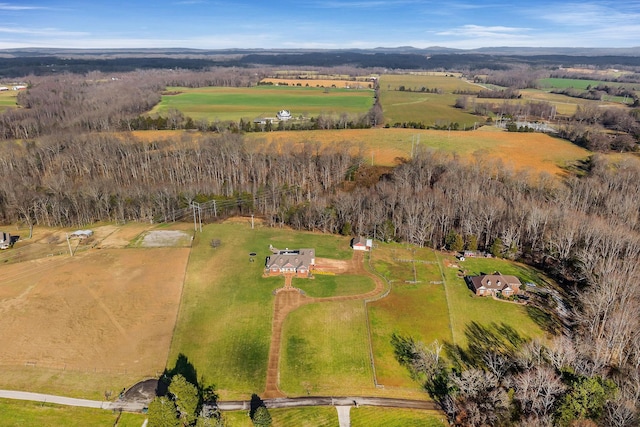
(9, 6)
(483, 31)
(48, 32)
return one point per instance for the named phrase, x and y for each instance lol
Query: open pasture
(416, 309)
(8, 99)
(346, 83)
(224, 325)
(16, 413)
(533, 151)
(582, 84)
(413, 104)
(325, 350)
(228, 103)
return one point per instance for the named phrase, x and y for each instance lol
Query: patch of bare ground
(101, 310)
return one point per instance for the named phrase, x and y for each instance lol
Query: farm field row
(227, 103)
(85, 324)
(535, 152)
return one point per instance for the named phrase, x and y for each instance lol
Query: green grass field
(415, 309)
(224, 324)
(429, 108)
(227, 103)
(329, 286)
(326, 351)
(328, 417)
(8, 99)
(432, 310)
(467, 308)
(394, 417)
(17, 413)
(560, 83)
(317, 416)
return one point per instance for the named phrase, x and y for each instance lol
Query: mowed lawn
(394, 417)
(325, 350)
(18, 413)
(315, 416)
(224, 325)
(467, 308)
(431, 310)
(229, 103)
(321, 416)
(415, 105)
(334, 285)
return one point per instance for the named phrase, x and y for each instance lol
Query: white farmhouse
(284, 115)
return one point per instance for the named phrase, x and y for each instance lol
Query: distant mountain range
(433, 50)
(42, 61)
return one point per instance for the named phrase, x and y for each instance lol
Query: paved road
(284, 402)
(236, 405)
(70, 401)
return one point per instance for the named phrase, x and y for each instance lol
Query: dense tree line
(603, 129)
(98, 102)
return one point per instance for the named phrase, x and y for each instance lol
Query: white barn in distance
(284, 115)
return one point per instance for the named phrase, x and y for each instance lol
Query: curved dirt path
(289, 299)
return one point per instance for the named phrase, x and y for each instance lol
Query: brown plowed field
(103, 309)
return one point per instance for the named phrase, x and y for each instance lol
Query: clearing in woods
(231, 103)
(533, 151)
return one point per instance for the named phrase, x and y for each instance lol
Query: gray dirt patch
(166, 238)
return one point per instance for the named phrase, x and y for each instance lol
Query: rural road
(343, 405)
(231, 405)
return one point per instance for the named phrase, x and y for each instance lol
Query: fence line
(66, 367)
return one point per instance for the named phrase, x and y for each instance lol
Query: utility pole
(69, 244)
(197, 218)
(193, 206)
(200, 216)
(252, 221)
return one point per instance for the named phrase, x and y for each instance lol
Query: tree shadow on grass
(182, 367)
(543, 318)
(481, 340)
(256, 402)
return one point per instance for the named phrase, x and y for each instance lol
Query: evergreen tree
(262, 417)
(163, 413)
(496, 248)
(186, 398)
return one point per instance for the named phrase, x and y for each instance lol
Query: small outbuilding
(361, 244)
(5, 240)
(81, 234)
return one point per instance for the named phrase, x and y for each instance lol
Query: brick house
(297, 262)
(491, 284)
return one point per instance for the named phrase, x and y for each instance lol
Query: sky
(321, 24)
